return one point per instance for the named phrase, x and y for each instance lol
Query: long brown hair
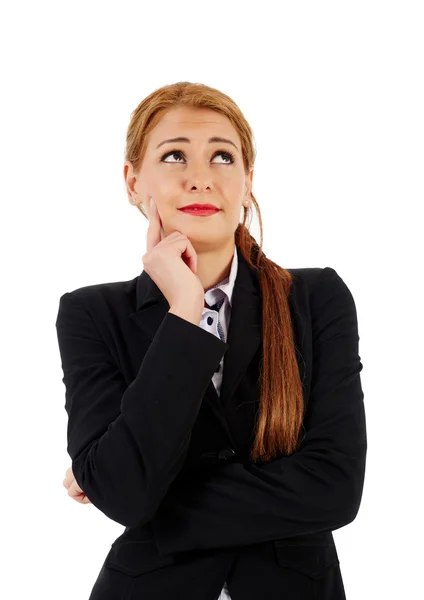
(280, 417)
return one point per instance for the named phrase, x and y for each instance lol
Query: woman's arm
(317, 488)
(128, 443)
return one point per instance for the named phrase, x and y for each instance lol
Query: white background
(334, 94)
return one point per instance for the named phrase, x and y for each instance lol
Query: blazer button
(226, 453)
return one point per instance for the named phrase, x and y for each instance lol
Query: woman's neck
(213, 267)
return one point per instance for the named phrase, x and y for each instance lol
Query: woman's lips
(200, 212)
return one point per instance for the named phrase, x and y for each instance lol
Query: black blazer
(157, 450)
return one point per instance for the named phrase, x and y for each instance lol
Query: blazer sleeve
(318, 487)
(128, 442)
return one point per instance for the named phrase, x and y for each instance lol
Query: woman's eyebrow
(211, 141)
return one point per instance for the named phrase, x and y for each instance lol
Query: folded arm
(317, 488)
(128, 442)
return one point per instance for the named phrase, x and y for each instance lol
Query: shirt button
(210, 320)
(226, 453)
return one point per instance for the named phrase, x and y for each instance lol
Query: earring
(134, 199)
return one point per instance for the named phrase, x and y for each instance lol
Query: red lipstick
(200, 210)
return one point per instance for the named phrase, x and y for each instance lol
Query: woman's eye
(173, 154)
(227, 155)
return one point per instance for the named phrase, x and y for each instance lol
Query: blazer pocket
(136, 557)
(311, 555)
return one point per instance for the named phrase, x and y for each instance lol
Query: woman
(229, 453)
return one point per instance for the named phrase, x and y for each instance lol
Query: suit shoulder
(320, 282)
(309, 276)
(314, 276)
(99, 293)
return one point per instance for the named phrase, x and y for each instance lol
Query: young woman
(214, 401)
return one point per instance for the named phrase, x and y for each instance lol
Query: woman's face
(183, 172)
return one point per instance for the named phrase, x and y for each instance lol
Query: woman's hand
(171, 262)
(74, 491)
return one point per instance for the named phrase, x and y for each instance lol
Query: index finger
(155, 232)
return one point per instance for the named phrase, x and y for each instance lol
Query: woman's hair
(279, 422)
